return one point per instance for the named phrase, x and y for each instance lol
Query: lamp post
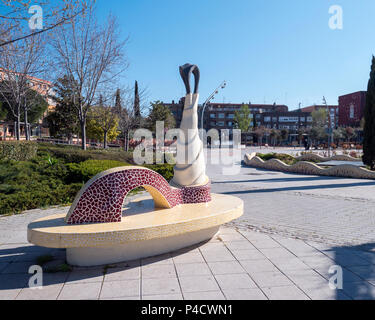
(211, 97)
(330, 138)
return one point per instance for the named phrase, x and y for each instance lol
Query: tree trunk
(27, 133)
(17, 128)
(83, 134)
(105, 139)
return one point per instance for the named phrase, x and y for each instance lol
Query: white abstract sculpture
(190, 169)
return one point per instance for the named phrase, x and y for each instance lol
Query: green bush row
(46, 181)
(18, 150)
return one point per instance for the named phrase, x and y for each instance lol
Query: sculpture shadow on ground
(358, 265)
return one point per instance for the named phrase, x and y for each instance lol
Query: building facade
(332, 109)
(351, 109)
(44, 88)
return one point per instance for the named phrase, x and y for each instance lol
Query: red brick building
(351, 109)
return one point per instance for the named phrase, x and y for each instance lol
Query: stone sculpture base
(143, 232)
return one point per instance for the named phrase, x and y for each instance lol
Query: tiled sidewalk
(235, 265)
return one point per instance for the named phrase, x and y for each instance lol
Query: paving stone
(161, 259)
(250, 254)
(118, 274)
(160, 286)
(360, 290)
(239, 245)
(164, 297)
(80, 291)
(252, 266)
(210, 295)
(270, 279)
(365, 272)
(285, 293)
(158, 271)
(50, 292)
(125, 288)
(235, 281)
(218, 255)
(244, 294)
(190, 257)
(275, 253)
(85, 276)
(192, 269)
(198, 284)
(229, 267)
(265, 244)
(289, 264)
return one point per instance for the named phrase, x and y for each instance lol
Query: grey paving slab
(164, 297)
(85, 276)
(198, 284)
(158, 271)
(160, 286)
(235, 281)
(123, 288)
(271, 279)
(192, 269)
(50, 292)
(230, 267)
(244, 294)
(210, 295)
(285, 293)
(80, 291)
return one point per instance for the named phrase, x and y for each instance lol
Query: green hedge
(77, 155)
(18, 150)
(286, 158)
(46, 181)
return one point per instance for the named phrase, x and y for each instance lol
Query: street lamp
(330, 137)
(211, 97)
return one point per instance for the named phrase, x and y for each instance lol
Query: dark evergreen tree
(137, 107)
(369, 128)
(118, 102)
(63, 121)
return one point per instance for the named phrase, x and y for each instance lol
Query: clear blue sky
(267, 50)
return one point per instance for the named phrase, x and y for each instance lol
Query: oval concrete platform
(143, 232)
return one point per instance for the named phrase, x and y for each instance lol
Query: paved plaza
(294, 229)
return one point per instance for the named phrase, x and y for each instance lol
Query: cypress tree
(137, 108)
(369, 128)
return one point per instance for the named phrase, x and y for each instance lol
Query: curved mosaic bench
(101, 199)
(153, 232)
(309, 168)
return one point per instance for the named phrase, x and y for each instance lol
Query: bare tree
(20, 63)
(55, 14)
(92, 56)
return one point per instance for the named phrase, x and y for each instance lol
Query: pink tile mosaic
(102, 201)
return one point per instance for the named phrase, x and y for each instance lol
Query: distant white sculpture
(190, 169)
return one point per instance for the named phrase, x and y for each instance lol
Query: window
(267, 119)
(212, 116)
(221, 115)
(351, 112)
(220, 124)
(230, 124)
(231, 116)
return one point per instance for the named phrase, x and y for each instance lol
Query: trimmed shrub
(18, 150)
(77, 155)
(84, 171)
